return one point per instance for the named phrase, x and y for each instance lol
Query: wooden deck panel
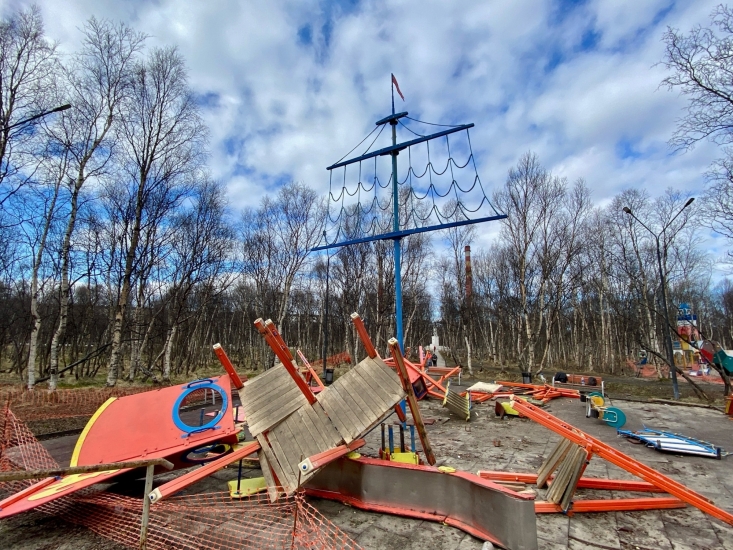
(283, 449)
(354, 386)
(255, 396)
(388, 395)
(272, 461)
(286, 480)
(344, 404)
(381, 395)
(340, 413)
(279, 408)
(387, 376)
(272, 491)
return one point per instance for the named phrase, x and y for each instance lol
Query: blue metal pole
(397, 242)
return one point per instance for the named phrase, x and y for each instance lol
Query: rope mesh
(444, 191)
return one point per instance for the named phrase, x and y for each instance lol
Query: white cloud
(576, 84)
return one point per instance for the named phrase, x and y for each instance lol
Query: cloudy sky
(288, 88)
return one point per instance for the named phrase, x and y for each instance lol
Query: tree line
(120, 257)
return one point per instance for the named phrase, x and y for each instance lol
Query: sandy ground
(523, 447)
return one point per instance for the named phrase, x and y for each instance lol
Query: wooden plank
(328, 430)
(549, 466)
(355, 387)
(387, 377)
(291, 449)
(319, 429)
(560, 482)
(274, 464)
(300, 435)
(379, 394)
(381, 397)
(274, 398)
(339, 421)
(272, 490)
(337, 407)
(280, 408)
(281, 454)
(412, 401)
(351, 406)
(578, 469)
(255, 394)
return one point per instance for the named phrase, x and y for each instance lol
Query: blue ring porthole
(190, 388)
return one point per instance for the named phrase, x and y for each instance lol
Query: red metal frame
(611, 505)
(227, 364)
(180, 483)
(274, 340)
(621, 460)
(583, 483)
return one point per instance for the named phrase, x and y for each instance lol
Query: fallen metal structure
(674, 443)
(589, 445)
(477, 506)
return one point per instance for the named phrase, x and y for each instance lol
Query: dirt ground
(523, 445)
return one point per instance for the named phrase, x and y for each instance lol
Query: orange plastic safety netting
(68, 403)
(207, 520)
(19, 450)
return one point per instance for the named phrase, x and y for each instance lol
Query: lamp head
(689, 202)
(627, 209)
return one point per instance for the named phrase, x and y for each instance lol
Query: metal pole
(39, 115)
(397, 242)
(325, 319)
(146, 506)
(668, 337)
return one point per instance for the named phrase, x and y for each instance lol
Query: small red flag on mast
(394, 83)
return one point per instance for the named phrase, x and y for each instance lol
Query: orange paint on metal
(364, 336)
(614, 505)
(622, 460)
(227, 364)
(206, 470)
(583, 483)
(285, 359)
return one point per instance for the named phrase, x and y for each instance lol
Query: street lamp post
(663, 281)
(36, 117)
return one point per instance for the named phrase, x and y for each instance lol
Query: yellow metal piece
(248, 486)
(446, 469)
(83, 436)
(353, 455)
(507, 406)
(405, 458)
(597, 400)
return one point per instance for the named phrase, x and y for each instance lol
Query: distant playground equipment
(597, 408)
(561, 379)
(674, 443)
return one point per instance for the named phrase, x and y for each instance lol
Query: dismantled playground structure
(305, 443)
(303, 435)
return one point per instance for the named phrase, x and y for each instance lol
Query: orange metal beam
(227, 364)
(279, 339)
(321, 459)
(584, 482)
(364, 336)
(181, 482)
(621, 460)
(285, 360)
(614, 505)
